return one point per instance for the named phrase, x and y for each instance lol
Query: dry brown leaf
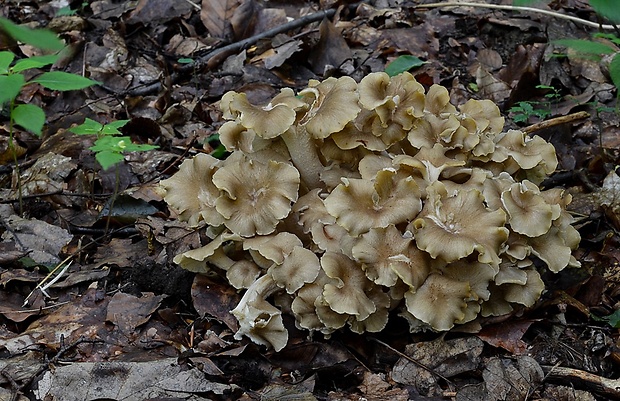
(507, 335)
(216, 15)
(244, 19)
(128, 312)
(332, 49)
(216, 300)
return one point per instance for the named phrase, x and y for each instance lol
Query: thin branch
(242, 44)
(580, 115)
(218, 55)
(517, 8)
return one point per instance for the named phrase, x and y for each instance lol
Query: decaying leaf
(437, 358)
(127, 381)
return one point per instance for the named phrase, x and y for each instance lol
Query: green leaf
(6, 58)
(39, 38)
(10, 86)
(585, 47)
(112, 128)
(609, 36)
(34, 62)
(185, 60)
(89, 127)
(219, 152)
(607, 8)
(402, 64)
(63, 81)
(66, 10)
(30, 117)
(614, 72)
(138, 147)
(108, 158)
(112, 143)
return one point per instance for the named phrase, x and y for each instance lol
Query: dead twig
(580, 115)
(217, 56)
(518, 8)
(601, 385)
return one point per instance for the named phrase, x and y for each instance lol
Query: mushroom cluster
(346, 201)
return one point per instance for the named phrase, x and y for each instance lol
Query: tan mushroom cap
(191, 191)
(399, 99)
(527, 294)
(437, 101)
(333, 104)
(485, 113)
(359, 205)
(528, 212)
(432, 129)
(528, 152)
(243, 273)
(268, 121)
(235, 136)
(378, 319)
(440, 301)
(453, 227)
(256, 196)
(477, 275)
(552, 249)
(430, 162)
(301, 266)
(275, 247)
(195, 260)
(312, 312)
(363, 133)
(347, 293)
(386, 255)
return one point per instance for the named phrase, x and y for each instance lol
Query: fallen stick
(214, 58)
(580, 115)
(589, 381)
(517, 8)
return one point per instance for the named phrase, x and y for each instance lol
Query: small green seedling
(13, 78)
(219, 151)
(109, 147)
(523, 111)
(612, 320)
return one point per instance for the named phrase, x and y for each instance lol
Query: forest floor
(123, 322)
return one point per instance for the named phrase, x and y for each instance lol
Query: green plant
(403, 63)
(67, 10)
(524, 110)
(13, 80)
(109, 146)
(592, 49)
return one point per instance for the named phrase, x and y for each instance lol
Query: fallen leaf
(128, 312)
(507, 335)
(127, 381)
(215, 299)
(439, 357)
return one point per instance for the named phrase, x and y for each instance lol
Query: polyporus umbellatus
(350, 200)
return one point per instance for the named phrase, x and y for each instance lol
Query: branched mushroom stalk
(351, 200)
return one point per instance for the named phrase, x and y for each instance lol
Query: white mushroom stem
(258, 319)
(262, 288)
(304, 155)
(220, 259)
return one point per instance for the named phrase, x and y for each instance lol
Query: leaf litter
(135, 326)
